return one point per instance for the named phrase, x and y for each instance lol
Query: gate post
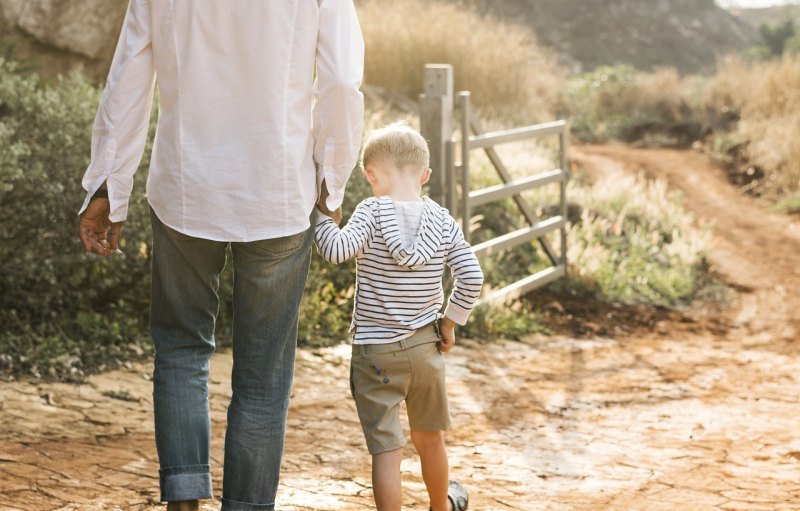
(436, 126)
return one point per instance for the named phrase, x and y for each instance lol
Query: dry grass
(767, 97)
(607, 102)
(509, 74)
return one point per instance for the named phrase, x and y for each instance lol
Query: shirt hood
(428, 238)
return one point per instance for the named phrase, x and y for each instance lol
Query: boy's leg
(433, 457)
(183, 309)
(379, 377)
(386, 485)
(268, 281)
(429, 417)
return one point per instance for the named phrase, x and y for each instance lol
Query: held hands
(98, 234)
(323, 206)
(447, 329)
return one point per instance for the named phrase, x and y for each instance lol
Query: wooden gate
(440, 112)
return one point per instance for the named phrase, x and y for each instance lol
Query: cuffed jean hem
(191, 482)
(233, 505)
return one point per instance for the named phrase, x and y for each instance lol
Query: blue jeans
(269, 277)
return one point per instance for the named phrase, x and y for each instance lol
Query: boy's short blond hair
(397, 144)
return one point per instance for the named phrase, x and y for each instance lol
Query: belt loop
(436, 327)
(359, 349)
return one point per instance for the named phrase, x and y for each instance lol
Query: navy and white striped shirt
(399, 288)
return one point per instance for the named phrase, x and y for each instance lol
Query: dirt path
(699, 413)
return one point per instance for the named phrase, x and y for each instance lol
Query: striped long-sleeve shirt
(399, 287)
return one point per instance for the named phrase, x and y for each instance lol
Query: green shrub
(511, 321)
(635, 243)
(54, 300)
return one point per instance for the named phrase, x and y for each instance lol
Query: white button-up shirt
(258, 103)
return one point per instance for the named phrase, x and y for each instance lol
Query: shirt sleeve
(467, 277)
(338, 103)
(337, 245)
(120, 127)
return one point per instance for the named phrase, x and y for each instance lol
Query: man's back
(235, 152)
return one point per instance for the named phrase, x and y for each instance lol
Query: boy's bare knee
(427, 439)
(388, 457)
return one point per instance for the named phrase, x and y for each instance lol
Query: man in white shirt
(259, 109)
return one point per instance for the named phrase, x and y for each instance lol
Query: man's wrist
(101, 193)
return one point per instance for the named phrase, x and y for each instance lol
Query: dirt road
(699, 412)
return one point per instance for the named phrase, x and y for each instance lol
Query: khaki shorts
(384, 375)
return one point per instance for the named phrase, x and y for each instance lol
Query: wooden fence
(440, 113)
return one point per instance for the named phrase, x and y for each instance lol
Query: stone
(86, 27)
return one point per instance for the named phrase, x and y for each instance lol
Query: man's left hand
(99, 234)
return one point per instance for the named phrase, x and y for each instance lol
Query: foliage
(635, 243)
(511, 321)
(609, 101)
(788, 205)
(765, 97)
(52, 296)
(775, 37)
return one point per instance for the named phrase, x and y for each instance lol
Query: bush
(766, 98)
(635, 243)
(511, 322)
(609, 101)
(54, 300)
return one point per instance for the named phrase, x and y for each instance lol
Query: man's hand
(323, 207)
(447, 329)
(98, 234)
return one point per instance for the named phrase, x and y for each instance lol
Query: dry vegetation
(509, 74)
(766, 96)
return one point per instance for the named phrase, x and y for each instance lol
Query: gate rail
(436, 119)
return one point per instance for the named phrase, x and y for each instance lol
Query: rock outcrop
(85, 29)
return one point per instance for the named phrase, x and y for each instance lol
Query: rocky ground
(621, 410)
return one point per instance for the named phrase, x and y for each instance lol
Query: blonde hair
(397, 144)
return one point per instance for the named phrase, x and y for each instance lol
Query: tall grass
(635, 243)
(508, 73)
(608, 102)
(766, 97)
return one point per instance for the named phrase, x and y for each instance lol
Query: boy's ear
(426, 176)
(370, 175)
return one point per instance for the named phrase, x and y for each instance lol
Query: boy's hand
(447, 329)
(323, 206)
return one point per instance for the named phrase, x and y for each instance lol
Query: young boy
(401, 242)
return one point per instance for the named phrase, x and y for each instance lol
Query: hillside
(769, 15)
(688, 34)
